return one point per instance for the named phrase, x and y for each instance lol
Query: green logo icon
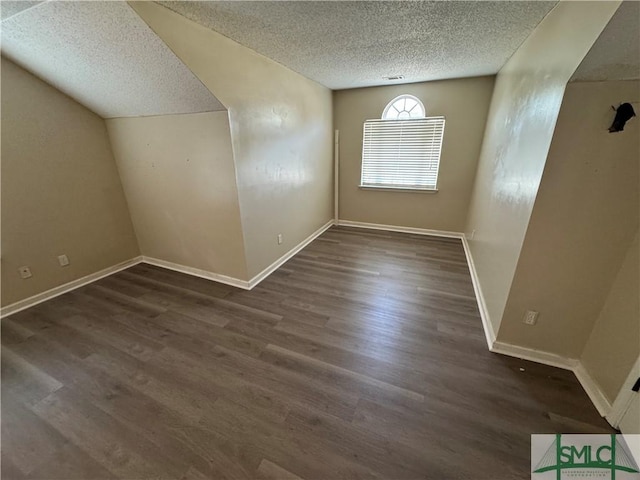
(585, 456)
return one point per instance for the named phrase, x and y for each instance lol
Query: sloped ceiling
(355, 44)
(102, 55)
(9, 8)
(616, 53)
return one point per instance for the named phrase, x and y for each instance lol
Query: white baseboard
(283, 259)
(546, 358)
(599, 400)
(396, 228)
(593, 390)
(236, 282)
(539, 356)
(589, 385)
(244, 284)
(197, 272)
(67, 287)
(487, 326)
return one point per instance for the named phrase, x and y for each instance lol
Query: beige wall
(60, 189)
(614, 343)
(180, 181)
(281, 127)
(524, 108)
(585, 216)
(464, 103)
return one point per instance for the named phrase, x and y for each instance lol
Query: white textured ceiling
(616, 53)
(9, 8)
(355, 44)
(104, 56)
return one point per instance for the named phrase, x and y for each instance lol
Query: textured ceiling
(104, 56)
(356, 44)
(616, 53)
(9, 8)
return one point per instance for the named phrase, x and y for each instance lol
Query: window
(402, 150)
(404, 106)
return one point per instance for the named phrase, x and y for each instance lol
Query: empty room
(320, 240)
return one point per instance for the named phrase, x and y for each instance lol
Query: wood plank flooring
(362, 357)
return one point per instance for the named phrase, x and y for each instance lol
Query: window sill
(399, 189)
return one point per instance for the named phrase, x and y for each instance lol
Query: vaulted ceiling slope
(616, 53)
(102, 55)
(9, 8)
(355, 44)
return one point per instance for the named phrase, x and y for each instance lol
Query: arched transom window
(403, 107)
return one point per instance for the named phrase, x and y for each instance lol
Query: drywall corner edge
(236, 282)
(487, 326)
(593, 390)
(624, 397)
(284, 258)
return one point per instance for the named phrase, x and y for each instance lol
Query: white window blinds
(402, 153)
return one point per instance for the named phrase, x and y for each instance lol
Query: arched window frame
(399, 105)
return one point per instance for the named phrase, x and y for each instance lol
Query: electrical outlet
(279, 239)
(63, 260)
(530, 317)
(25, 272)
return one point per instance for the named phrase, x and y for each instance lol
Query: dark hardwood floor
(362, 357)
